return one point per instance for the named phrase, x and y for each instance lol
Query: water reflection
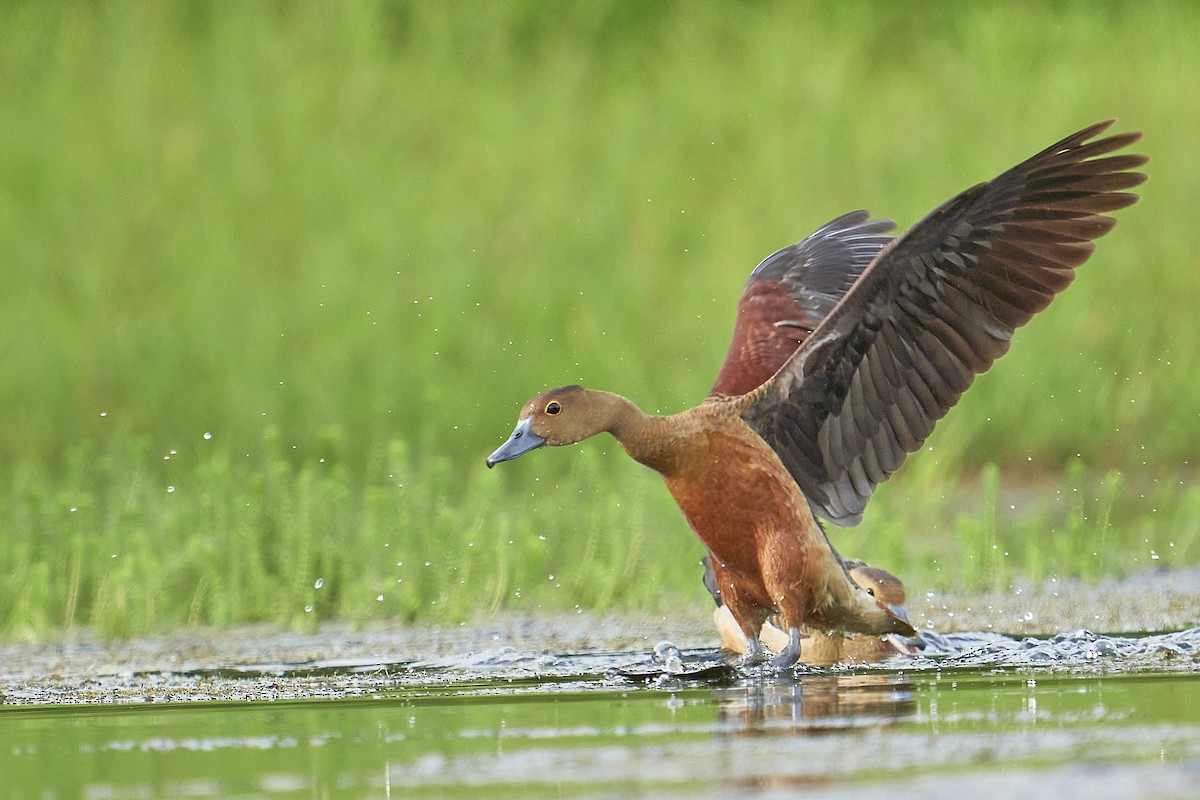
(813, 703)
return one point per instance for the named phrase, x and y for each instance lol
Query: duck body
(768, 553)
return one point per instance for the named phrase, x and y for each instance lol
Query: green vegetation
(277, 277)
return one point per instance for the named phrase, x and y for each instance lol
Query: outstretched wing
(790, 292)
(933, 310)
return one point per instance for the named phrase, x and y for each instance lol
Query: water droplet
(308, 609)
(379, 598)
(320, 582)
(207, 435)
(170, 490)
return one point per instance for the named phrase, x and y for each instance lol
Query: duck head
(565, 415)
(888, 591)
(879, 583)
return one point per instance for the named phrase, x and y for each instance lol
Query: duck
(824, 648)
(933, 307)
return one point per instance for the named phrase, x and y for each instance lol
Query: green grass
(346, 241)
(129, 541)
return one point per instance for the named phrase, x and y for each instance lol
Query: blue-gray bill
(905, 644)
(523, 440)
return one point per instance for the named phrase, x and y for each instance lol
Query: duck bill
(899, 613)
(523, 440)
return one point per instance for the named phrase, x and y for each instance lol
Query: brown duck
(825, 647)
(932, 309)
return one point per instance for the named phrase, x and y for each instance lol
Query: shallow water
(978, 715)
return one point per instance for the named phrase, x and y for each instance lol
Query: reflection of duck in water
(814, 703)
(825, 647)
(884, 356)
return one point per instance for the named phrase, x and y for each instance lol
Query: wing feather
(933, 309)
(790, 292)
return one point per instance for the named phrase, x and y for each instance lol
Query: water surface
(982, 715)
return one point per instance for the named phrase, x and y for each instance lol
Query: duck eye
(553, 407)
(870, 591)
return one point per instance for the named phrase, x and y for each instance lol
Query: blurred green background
(277, 277)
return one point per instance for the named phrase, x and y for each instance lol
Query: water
(1076, 715)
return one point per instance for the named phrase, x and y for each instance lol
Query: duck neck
(647, 438)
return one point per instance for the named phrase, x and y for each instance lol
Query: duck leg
(790, 654)
(755, 653)
(748, 614)
(788, 573)
(751, 622)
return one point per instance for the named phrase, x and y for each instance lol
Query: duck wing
(790, 292)
(934, 309)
